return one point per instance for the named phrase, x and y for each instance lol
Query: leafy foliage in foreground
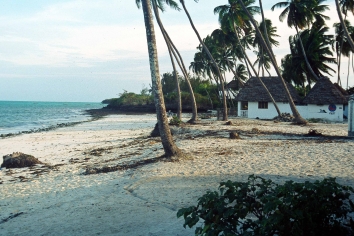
(261, 207)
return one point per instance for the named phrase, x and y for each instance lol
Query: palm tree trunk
(339, 59)
(186, 77)
(255, 72)
(348, 71)
(339, 62)
(305, 57)
(339, 82)
(266, 36)
(170, 148)
(212, 59)
(234, 72)
(353, 61)
(248, 68)
(211, 101)
(296, 114)
(350, 40)
(179, 99)
(265, 28)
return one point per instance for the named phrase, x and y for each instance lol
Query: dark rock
(314, 133)
(234, 135)
(19, 160)
(228, 122)
(285, 117)
(255, 131)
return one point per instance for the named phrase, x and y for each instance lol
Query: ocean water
(17, 116)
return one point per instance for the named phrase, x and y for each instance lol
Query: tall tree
(223, 43)
(342, 45)
(347, 5)
(170, 148)
(296, 114)
(317, 44)
(300, 14)
(211, 58)
(268, 32)
(173, 51)
(233, 15)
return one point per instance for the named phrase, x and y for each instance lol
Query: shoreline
(144, 199)
(94, 114)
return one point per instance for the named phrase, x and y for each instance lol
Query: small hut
(254, 101)
(326, 101)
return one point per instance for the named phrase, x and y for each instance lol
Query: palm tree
(342, 45)
(347, 5)
(170, 148)
(293, 72)
(202, 65)
(223, 44)
(211, 58)
(173, 50)
(318, 46)
(229, 17)
(300, 14)
(296, 114)
(263, 60)
(241, 72)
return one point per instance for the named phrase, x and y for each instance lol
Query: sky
(87, 51)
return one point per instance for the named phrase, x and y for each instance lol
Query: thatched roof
(235, 85)
(253, 91)
(325, 92)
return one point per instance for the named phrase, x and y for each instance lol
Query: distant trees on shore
(205, 92)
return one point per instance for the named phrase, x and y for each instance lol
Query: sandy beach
(143, 198)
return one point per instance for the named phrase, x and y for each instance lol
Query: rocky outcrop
(19, 160)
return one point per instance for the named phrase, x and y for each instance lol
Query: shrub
(261, 207)
(131, 99)
(175, 121)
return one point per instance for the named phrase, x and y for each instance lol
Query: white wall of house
(307, 112)
(323, 112)
(270, 113)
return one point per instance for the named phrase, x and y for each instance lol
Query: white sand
(144, 200)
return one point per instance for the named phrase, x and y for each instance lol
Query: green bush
(175, 121)
(261, 207)
(128, 98)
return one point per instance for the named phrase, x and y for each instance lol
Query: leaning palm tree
(241, 72)
(300, 14)
(347, 5)
(296, 114)
(342, 45)
(158, 4)
(318, 46)
(224, 45)
(229, 17)
(170, 148)
(211, 58)
(268, 32)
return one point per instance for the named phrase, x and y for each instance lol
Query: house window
(262, 105)
(244, 105)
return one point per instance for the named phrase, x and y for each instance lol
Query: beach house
(254, 101)
(326, 101)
